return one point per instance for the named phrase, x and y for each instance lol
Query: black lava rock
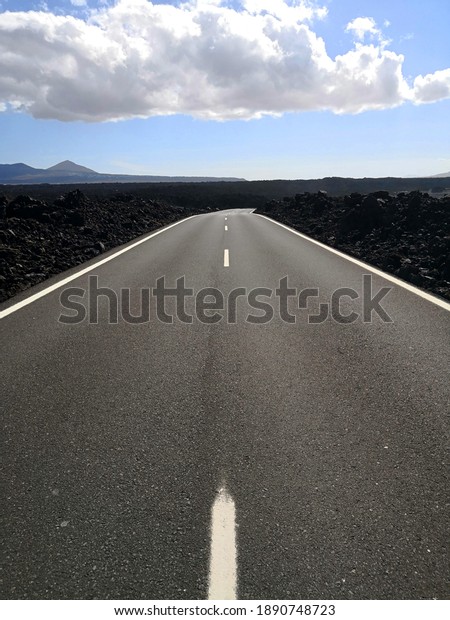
(406, 234)
(39, 239)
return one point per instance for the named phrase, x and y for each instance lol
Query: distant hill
(10, 172)
(444, 175)
(215, 191)
(70, 172)
(70, 167)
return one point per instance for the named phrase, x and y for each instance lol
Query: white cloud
(78, 2)
(362, 26)
(202, 57)
(432, 87)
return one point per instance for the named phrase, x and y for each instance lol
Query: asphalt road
(329, 437)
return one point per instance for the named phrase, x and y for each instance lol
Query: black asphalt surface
(330, 437)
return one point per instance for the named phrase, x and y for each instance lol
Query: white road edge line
(409, 287)
(226, 258)
(76, 275)
(223, 562)
(226, 227)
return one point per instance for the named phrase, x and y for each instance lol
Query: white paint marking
(226, 258)
(226, 227)
(226, 219)
(76, 275)
(223, 563)
(409, 287)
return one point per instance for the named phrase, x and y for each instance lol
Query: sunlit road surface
(261, 461)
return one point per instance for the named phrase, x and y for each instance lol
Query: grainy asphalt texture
(330, 438)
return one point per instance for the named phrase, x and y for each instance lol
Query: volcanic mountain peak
(70, 166)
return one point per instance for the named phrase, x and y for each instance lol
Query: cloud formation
(432, 87)
(202, 57)
(361, 26)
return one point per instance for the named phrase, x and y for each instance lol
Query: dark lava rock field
(407, 234)
(40, 238)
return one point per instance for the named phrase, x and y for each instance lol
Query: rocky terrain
(40, 238)
(407, 234)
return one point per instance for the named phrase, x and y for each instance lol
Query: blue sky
(137, 89)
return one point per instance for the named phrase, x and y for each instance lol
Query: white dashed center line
(226, 258)
(223, 563)
(226, 227)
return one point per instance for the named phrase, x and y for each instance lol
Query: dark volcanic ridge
(407, 235)
(68, 172)
(40, 239)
